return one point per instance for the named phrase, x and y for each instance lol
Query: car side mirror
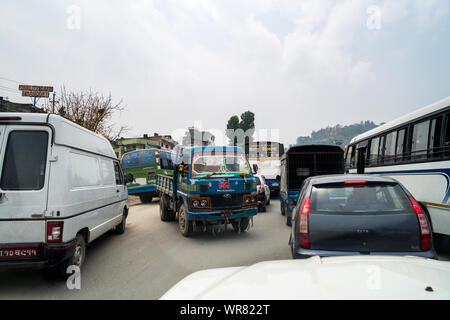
(129, 178)
(255, 168)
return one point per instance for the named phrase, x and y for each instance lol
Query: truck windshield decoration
(205, 165)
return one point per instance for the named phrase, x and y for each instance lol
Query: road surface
(152, 256)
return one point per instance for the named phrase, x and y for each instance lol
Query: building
(124, 145)
(8, 106)
(194, 137)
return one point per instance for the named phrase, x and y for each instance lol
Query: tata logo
(227, 196)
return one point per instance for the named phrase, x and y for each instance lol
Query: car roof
(349, 177)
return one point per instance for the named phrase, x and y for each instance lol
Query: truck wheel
(120, 228)
(243, 224)
(145, 198)
(184, 224)
(76, 260)
(164, 211)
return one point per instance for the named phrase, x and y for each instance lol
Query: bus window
(447, 136)
(373, 155)
(400, 144)
(382, 148)
(434, 148)
(389, 153)
(420, 140)
(348, 159)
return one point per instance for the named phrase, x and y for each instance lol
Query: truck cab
(209, 185)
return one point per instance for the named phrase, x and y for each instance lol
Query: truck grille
(226, 201)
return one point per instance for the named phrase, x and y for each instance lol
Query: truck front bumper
(222, 214)
(48, 255)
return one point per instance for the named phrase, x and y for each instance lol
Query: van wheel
(120, 228)
(77, 259)
(243, 224)
(184, 224)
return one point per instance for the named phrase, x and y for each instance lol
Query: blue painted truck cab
(209, 185)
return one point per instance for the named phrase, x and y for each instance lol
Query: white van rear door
(24, 164)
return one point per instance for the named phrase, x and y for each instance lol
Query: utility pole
(53, 102)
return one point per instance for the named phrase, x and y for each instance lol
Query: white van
(61, 187)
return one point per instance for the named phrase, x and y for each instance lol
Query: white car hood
(321, 278)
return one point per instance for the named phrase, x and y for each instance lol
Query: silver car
(263, 193)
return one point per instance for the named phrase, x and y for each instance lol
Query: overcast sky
(298, 65)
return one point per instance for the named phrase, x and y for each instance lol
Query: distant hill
(337, 135)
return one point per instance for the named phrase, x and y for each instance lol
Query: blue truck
(302, 162)
(209, 186)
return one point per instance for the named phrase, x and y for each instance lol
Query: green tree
(245, 127)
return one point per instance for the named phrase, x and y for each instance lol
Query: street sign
(39, 94)
(23, 87)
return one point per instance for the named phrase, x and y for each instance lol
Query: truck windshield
(218, 163)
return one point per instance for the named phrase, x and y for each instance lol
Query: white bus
(267, 156)
(415, 150)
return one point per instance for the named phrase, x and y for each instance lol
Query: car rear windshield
(25, 161)
(358, 198)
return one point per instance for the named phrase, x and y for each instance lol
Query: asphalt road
(152, 256)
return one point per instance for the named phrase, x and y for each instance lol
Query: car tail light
(303, 227)
(55, 231)
(425, 230)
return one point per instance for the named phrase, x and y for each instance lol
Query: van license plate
(11, 253)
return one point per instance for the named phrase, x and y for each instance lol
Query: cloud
(207, 60)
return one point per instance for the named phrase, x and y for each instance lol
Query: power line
(10, 80)
(9, 89)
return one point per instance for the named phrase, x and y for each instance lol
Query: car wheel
(184, 224)
(120, 228)
(242, 223)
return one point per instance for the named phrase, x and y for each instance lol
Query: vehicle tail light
(55, 231)
(425, 230)
(355, 182)
(303, 227)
